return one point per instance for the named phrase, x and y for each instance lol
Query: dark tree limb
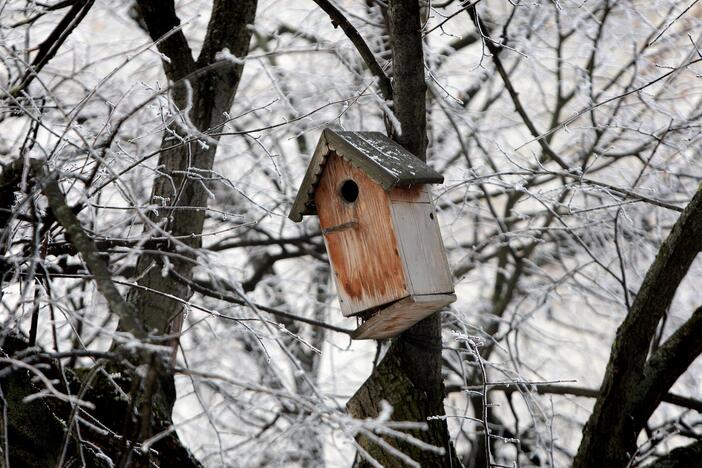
(9, 183)
(59, 248)
(161, 22)
(212, 93)
(207, 289)
(47, 8)
(263, 265)
(667, 364)
(86, 246)
(559, 389)
(338, 19)
(609, 437)
(408, 75)
(48, 48)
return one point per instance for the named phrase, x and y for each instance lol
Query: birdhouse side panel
(422, 249)
(358, 233)
(414, 194)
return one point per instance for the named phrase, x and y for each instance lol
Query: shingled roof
(386, 162)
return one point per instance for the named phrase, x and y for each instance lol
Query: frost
(225, 55)
(547, 256)
(166, 268)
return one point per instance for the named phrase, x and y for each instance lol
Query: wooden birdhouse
(380, 230)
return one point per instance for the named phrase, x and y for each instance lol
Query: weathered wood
(364, 256)
(386, 162)
(401, 315)
(421, 247)
(412, 194)
(385, 245)
(383, 160)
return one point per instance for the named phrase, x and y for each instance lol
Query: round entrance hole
(349, 191)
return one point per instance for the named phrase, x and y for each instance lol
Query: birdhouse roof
(386, 162)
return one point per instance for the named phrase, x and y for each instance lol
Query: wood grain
(400, 316)
(422, 250)
(365, 258)
(413, 194)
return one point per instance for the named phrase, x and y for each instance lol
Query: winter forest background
(568, 134)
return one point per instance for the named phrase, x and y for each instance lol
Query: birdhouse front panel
(356, 221)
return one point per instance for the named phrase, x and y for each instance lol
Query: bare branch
(88, 250)
(48, 48)
(667, 364)
(338, 19)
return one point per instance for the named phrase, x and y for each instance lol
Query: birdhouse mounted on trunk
(380, 230)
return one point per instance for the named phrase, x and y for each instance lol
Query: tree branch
(88, 250)
(408, 73)
(513, 94)
(667, 364)
(48, 48)
(338, 19)
(211, 96)
(161, 20)
(611, 431)
(558, 389)
(205, 289)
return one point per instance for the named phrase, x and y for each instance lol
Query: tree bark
(203, 92)
(36, 429)
(634, 386)
(211, 91)
(409, 376)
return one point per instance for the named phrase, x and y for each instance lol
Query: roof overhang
(383, 160)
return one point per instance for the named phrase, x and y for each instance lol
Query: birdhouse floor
(401, 315)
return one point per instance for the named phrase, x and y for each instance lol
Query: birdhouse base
(401, 315)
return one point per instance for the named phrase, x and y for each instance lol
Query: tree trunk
(203, 91)
(409, 376)
(45, 432)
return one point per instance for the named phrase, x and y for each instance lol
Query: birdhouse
(380, 230)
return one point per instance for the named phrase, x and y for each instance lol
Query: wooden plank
(423, 254)
(401, 315)
(383, 160)
(360, 240)
(413, 194)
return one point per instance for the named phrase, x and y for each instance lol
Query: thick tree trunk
(45, 432)
(409, 376)
(204, 90)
